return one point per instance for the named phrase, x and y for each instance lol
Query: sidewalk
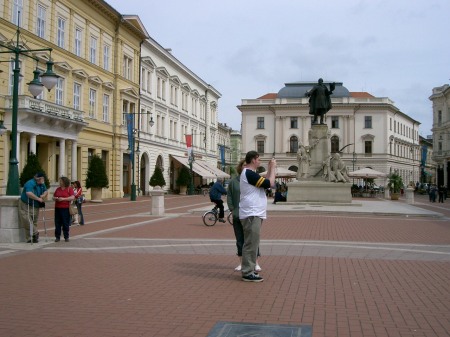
(128, 273)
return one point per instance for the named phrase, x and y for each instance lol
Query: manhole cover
(236, 329)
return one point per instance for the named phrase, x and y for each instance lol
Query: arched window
(334, 144)
(293, 144)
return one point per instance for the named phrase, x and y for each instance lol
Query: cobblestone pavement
(128, 273)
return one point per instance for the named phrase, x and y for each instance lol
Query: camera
(42, 205)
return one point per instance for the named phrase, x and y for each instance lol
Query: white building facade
(441, 133)
(174, 102)
(368, 131)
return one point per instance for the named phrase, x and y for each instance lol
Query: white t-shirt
(253, 200)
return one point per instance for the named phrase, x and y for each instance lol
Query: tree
(30, 169)
(184, 177)
(96, 175)
(395, 183)
(157, 178)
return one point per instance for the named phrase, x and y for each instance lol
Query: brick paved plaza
(127, 273)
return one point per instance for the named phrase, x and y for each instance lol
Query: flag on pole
(130, 127)
(222, 156)
(189, 147)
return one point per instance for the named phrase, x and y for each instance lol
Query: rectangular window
(40, 23)
(93, 50)
(92, 102)
(368, 122)
(368, 147)
(78, 40)
(106, 108)
(127, 67)
(59, 91)
(390, 124)
(439, 119)
(106, 55)
(61, 32)
(17, 12)
(76, 96)
(260, 146)
(335, 122)
(294, 123)
(260, 123)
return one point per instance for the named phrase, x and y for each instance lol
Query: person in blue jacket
(215, 195)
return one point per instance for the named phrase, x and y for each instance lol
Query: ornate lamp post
(131, 146)
(47, 80)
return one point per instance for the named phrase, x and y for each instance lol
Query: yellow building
(96, 53)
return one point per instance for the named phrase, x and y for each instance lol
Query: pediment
(195, 93)
(186, 87)
(63, 66)
(175, 79)
(80, 73)
(130, 92)
(162, 71)
(260, 136)
(95, 80)
(368, 136)
(147, 60)
(108, 85)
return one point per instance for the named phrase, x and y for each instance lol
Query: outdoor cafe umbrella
(367, 173)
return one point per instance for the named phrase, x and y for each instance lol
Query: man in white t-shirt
(252, 210)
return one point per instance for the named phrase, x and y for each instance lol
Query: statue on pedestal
(303, 160)
(319, 100)
(339, 169)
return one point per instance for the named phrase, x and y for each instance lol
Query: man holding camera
(32, 198)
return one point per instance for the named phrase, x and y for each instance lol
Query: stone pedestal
(410, 195)
(319, 192)
(318, 143)
(10, 229)
(157, 201)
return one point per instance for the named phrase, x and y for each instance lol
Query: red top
(63, 193)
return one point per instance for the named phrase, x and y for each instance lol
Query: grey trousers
(252, 230)
(27, 215)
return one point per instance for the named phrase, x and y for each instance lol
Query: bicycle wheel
(209, 218)
(230, 218)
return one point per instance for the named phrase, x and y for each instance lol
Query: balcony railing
(52, 109)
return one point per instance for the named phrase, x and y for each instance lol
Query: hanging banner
(222, 156)
(189, 147)
(130, 127)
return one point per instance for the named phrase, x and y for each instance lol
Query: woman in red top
(78, 200)
(63, 197)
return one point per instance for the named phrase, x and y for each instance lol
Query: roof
(299, 89)
(271, 95)
(361, 94)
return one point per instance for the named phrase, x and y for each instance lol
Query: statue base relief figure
(325, 179)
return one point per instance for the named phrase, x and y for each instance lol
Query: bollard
(157, 201)
(410, 195)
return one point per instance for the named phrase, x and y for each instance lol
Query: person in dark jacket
(215, 195)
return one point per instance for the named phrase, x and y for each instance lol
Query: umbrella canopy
(366, 173)
(282, 173)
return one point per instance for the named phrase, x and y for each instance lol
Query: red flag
(188, 141)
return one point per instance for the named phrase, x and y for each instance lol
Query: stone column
(62, 158)
(33, 143)
(157, 201)
(410, 195)
(74, 160)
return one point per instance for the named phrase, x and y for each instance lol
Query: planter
(96, 194)
(183, 189)
(395, 196)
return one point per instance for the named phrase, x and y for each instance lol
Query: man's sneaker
(252, 278)
(238, 268)
(258, 267)
(221, 220)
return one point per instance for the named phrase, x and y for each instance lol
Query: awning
(214, 170)
(195, 167)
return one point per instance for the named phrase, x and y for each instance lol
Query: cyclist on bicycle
(215, 195)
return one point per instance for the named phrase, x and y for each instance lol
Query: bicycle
(211, 217)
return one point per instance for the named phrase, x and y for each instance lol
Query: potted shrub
(30, 169)
(96, 178)
(184, 179)
(157, 178)
(395, 185)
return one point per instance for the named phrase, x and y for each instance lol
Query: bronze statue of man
(319, 100)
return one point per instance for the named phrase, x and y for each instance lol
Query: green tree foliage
(157, 178)
(30, 169)
(395, 183)
(184, 177)
(96, 175)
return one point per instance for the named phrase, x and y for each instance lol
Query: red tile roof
(361, 94)
(269, 96)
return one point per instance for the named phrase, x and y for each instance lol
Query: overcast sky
(246, 48)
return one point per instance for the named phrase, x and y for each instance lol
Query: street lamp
(48, 79)
(131, 145)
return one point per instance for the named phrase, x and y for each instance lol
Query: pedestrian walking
(63, 197)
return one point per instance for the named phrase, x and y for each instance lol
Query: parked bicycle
(211, 217)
